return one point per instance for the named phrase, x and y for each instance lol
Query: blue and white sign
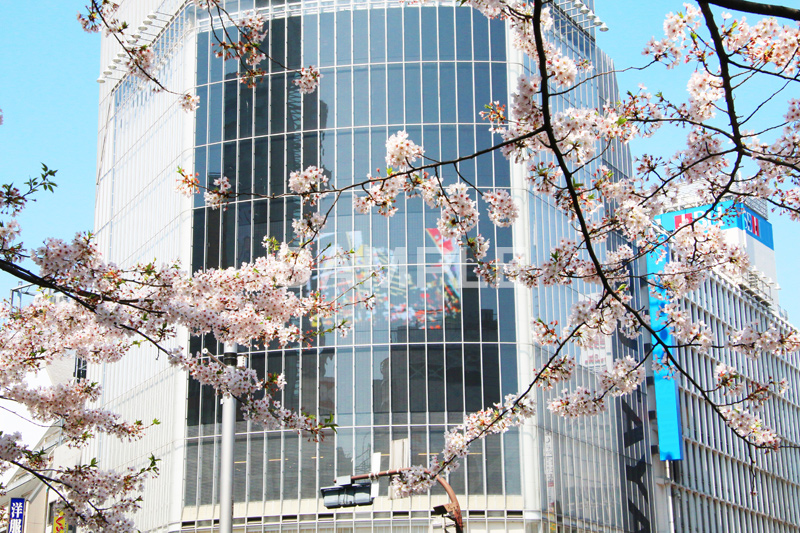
(727, 215)
(16, 515)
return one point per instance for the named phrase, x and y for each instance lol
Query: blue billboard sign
(668, 412)
(726, 215)
(16, 515)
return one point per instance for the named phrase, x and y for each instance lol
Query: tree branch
(770, 10)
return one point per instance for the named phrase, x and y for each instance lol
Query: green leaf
(329, 423)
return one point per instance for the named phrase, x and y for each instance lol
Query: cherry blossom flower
(623, 377)
(308, 80)
(189, 102)
(401, 152)
(750, 427)
(309, 226)
(581, 402)
(187, 184)
(502, 209)
(218, 197)
(140, 61)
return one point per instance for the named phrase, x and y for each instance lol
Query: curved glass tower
(438, 343)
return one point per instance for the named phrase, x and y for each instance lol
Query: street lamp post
(226, 452)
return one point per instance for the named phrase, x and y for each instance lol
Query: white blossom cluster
(189, 102)
(308, 183)
(729, 379)
(401, 151)
(216, 198)
(251, 25)
(623, 377)
(557, 370)
(140, 61)
(580, 402)
(309, 225)
(308, 80)
(503, 211)
(750, 427)
(512, 412)
(753, 343)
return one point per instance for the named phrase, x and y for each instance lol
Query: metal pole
(226, 453)
(455, 508)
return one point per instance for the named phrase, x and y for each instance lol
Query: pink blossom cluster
(414, 480)
(147, 303)
(216, 198)
(503, 211)
(140, 61)
(557, 370)
(729, 379)
(401, 151)
(9, 232)
(308, 80)
(100, 16)
(102, 499)
(528, 275)
(591, 321)
(696, 250)
(189, 102)
(187, 184)
(10, 449)
(309, 226)
(309, 184)
(750, 427)
(753, 343)
(581, 402)
(381, 193)
(678, 28)
(512, 412)
(248, 49)
(251, 26)
(67, 403)
(479, 246)
(767, 43)
(686, 330)
(623, 377)
(459, 212)
(560, 66)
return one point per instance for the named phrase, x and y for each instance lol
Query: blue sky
(49, 100)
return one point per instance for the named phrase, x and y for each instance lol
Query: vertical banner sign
(60, 523)
(668, 412)
(16, 515)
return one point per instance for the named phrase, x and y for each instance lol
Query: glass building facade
(438, 344)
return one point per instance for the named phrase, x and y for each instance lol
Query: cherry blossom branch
(770, 10)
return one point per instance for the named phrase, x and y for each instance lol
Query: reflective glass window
(447, 37)
(343, 41)
(411, 29)
(394, 41)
